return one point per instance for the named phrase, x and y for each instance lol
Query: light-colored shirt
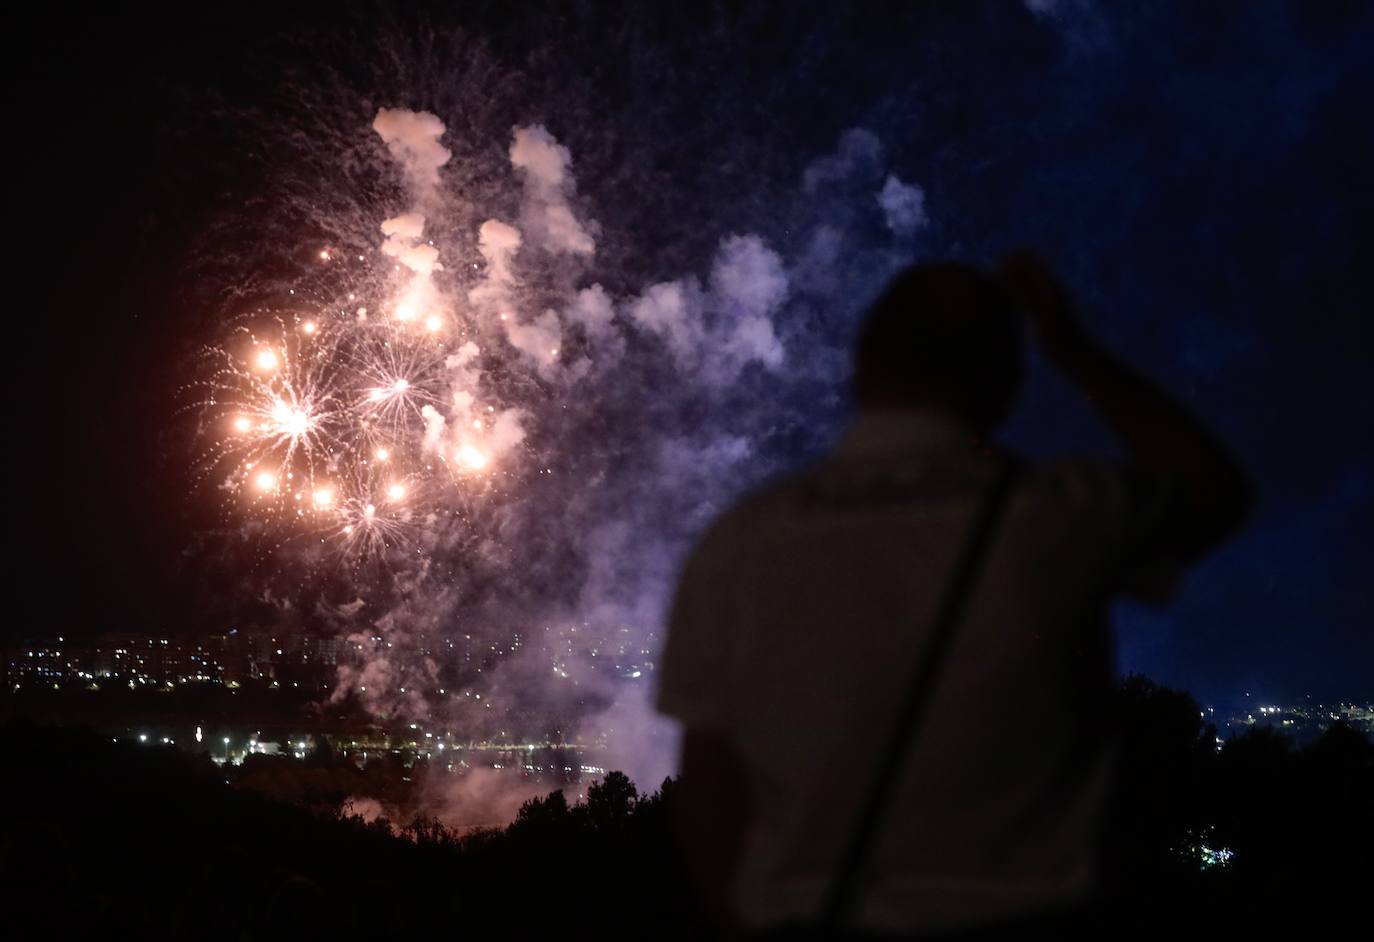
(800, 619)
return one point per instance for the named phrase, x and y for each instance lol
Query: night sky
(1199, 173)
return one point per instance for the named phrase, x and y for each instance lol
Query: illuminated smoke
(455, 423)
(412, 137)
(498, 243)
(673, 310)
(904, 206)
(859, 154)
(749, 285)
(546, 215)
(403, 243)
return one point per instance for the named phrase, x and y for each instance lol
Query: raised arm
(1211, 492)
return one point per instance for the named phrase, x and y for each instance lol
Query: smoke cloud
(592, 418)
(546, 214)
(412, 137)
(402, 243)
(673, 311)
(859, 153)
(749, 285)
(904, 206)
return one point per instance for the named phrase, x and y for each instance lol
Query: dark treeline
(110, 840)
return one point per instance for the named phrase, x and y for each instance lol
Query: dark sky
(1198, 172)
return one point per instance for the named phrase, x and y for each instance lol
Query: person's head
(942, 335)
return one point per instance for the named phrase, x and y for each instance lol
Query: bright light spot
(404, 312)
(471, 457)
(369, 511)
(433, 323)
(401, 385)
(266, 480)
(324, 497)
(308, 327)
(291, 420)
(241, 424)
(382, 454)
(348, 529)
(396, 491)
(477, 423)
(267, 360)
(197, 734)
(324, 254)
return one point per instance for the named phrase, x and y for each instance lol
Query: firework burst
(345, 424)
(416, 378)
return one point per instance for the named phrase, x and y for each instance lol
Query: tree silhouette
(1341, 752)
(1162, 798)
(121, 831)
(611, 801)
(542, 817)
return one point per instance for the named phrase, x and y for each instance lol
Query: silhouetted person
(804, 610)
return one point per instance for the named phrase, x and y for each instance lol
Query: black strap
(848, 877)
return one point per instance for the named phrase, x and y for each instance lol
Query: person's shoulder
(755, 510)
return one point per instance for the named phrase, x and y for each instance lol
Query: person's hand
(1046, 302)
